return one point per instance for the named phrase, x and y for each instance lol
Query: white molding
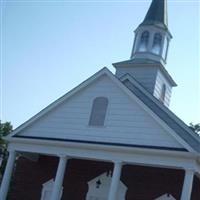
(182, 160)
(57, 144)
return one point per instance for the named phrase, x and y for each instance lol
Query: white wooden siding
(151, 78)
(126, 122)
(144, 75)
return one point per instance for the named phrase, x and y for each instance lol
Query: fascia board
(100, 147)
(176, 160)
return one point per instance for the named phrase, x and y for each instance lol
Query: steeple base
(151, 75)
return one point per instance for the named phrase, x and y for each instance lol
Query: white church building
(113, 137)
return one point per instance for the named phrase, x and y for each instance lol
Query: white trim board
(131, 156)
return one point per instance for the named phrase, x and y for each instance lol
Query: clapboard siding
(126, 122)
(151, 78)
(145, 76)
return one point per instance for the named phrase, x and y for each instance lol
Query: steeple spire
(157, 14)
(149, 53)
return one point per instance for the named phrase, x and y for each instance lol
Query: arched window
(98, 112)
(163, 93)
(165, 48)
(156, 48)
(144, 41)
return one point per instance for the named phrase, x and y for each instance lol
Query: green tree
(5, 129)
(195, 128)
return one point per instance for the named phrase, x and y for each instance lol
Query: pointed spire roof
(157, 14)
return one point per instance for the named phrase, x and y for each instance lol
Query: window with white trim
(98, 112)
(156, 48)
(144, 40)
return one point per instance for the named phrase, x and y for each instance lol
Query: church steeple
(157, 14)
(149, 54)
(152, 36)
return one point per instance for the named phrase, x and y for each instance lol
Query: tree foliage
(5, 129)
(195, 128)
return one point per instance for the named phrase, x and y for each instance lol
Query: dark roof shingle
(157, 14)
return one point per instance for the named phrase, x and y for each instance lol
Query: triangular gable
(102, 72)
(126, 123)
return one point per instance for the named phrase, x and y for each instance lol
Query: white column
(187, 185)
(115, 180)
(59, 178)
(7, 175)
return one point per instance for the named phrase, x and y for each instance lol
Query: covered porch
(73, 165)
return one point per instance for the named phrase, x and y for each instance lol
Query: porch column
(7, 175)
(187, 185)
(115, 180)
(59, 178)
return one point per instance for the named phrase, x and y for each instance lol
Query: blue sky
(48, 47)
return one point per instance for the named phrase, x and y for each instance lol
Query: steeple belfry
(149, 53)
(152, 35)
